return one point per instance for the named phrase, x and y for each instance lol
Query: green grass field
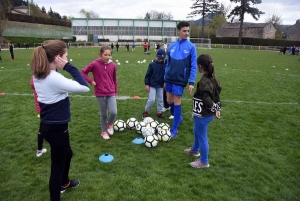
(254, 147)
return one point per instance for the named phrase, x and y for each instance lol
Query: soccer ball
(161, 126)
(118, 64)
(151, 141)
(153, 124)
(164, 135)
(117, 60)
(148, 120)
(139, 62)
(119, 125)
(126, 62)
(131, 123)
(147, 131)
(139, 126)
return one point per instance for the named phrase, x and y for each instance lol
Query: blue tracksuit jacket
(181, 65)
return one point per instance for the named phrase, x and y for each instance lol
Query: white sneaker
(171, 117)
(165, 109)
(105, 136)
(110, 129)
(39, 153)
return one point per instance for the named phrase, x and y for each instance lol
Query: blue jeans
(158, 93)
(200, 137)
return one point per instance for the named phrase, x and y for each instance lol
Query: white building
(123, 29)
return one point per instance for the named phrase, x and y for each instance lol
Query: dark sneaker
(160, 115)
(72, 184)
(190, 151)
(145, 114)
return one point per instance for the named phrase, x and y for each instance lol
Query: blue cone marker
(106, 158)
(138, 140)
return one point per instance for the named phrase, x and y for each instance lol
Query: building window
(169, 31)
(155, 31)
(96, 30)
(80, 30)
(141, 31)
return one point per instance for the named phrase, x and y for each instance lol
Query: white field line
(184, 99)
(18, 69)
(257, 71)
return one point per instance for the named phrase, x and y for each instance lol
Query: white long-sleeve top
(53, 94)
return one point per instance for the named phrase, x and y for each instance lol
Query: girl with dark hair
(52, 90)
(106, 87)
(206, 105)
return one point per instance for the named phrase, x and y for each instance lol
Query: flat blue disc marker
(106, 158)
(138, 140)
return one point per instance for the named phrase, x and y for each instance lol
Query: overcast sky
(289, 10)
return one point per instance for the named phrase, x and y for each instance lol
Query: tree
(56, 16)
(5, 7)
(155, 15)
(88, 14)
(43, 9)
(223, 9)
(50, 13)
(276, 20)
(203, 7)
(216, 22)
(240, 11)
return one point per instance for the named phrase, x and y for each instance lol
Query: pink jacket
(37, 105)
(105, 76)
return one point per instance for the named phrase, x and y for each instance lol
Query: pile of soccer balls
(152, 131)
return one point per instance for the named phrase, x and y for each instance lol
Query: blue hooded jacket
(181, 65)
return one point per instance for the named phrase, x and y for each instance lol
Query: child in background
(154, 81)
(52, 89)
(133, 46)
(0, 54)
(112, 47)
(145, 47)
(117, 46)
(40, 151)
(206, 105)
(127, 47)
(105, 82)
(11, 50)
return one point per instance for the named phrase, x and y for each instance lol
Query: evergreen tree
(43, 9)
(240, 11)
(203, 7)
(50, 13)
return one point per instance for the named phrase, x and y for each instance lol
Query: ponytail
(210, 70)
(44, 55)
(40, 65)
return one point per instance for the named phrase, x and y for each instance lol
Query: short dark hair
(182, 24)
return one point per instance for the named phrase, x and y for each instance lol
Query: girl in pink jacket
(40, 151)
(105, 82)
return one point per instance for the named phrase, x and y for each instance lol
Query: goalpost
(201, 42)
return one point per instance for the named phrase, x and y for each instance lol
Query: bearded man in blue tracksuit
(181, 69)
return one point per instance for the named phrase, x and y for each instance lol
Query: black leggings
(12, 55)
(40, 140)
(57, 135)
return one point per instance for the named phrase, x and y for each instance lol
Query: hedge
(255, 41)
(37, 20)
